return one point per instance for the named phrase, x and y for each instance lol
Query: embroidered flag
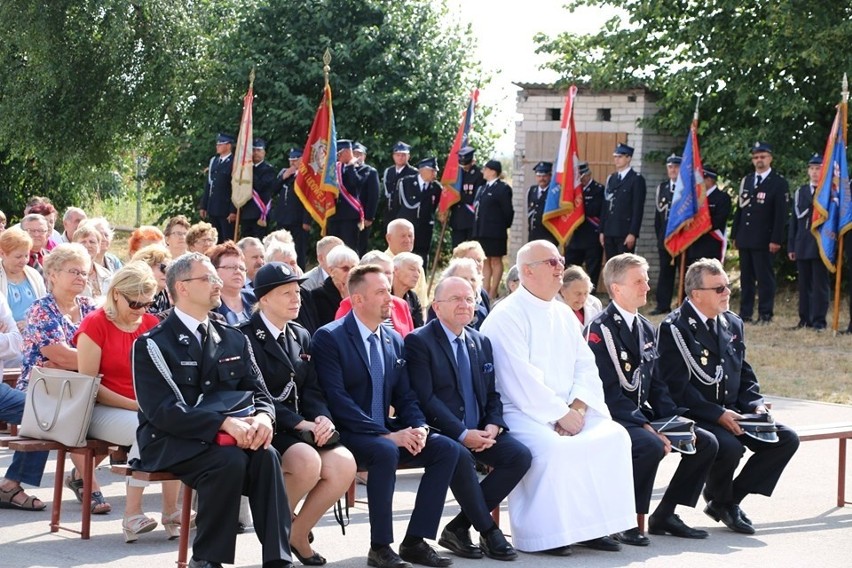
(832, 216)
(689, 215)
(243, 168)
(316, 180)
(564, 209)
(451, 179)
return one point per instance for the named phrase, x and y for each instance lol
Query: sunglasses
(163, 267)
(718, 289)
(553, 262)
(134, 305)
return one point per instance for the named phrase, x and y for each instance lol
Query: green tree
(399, 71)
(766, 70)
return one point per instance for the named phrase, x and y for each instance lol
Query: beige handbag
(59, 406)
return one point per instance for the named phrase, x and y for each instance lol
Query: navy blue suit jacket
(434, 376)
(343, 370)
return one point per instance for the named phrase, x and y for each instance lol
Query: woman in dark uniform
(315, 466)
(492, 218)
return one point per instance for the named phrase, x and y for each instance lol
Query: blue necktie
(471, 408)
(377, 405)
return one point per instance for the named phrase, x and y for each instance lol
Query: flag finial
(844, 88)
(326, 67)
(697, 102)
(251, 78)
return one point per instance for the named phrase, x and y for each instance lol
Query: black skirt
(493, 247)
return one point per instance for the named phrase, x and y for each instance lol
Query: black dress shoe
(559, 551)
(632, 537)
(730, 516)
(674, 526)
(742, 514)
(458, 542)
(494, 544)
(423, 554)
(195, 563)
(605, 543)
(315, 559)
(385, 557)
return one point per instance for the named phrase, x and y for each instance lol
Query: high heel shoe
(171, 523)
(136, 525)
(315, 559)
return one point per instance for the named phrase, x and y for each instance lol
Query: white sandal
(136, 525)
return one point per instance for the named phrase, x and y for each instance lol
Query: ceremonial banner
(832, 216)
(452, 177)
(564, 209)
(243, 168)
(689, 215)
(316, 180)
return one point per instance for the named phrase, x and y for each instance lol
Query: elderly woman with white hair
(326, 299)
(280, 251)
(576, 291)
(407, 268)
(97, 281)
(466, 269)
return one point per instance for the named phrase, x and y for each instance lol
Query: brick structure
(602, 119)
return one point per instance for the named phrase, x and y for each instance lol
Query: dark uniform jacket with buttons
(216, 199)
(390, 179)
(619, 354)
(352, 181)
(709, 245)
(624, 202)
(535, 212)
(738, 389)
(288, 370)
(761, 215)
(414, 204)
(288, 209)
(494, 211)
(800, 240)
(586, 234)
(665, 193)
(171, 431)
(462, 214)
(433, 371)
(264, 182)
(368, 191)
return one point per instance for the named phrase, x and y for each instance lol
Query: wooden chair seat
(185, 512)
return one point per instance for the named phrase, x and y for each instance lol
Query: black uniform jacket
(651, 399)
(494, 211)
(761, 215)
(800, 240)
(586, 234)
(737, 390)
(171, 431)
(462, 212)
(287, 370)
(624, 202)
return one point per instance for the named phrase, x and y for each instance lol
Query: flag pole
(838, 275)
(237, 220)
(682, 276)
(437, 257)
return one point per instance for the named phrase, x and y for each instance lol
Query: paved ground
(799, 526)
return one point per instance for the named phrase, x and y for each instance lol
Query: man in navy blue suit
(359, 398)
(452, 370)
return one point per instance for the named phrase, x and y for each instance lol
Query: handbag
(307, 437)
(59, 406)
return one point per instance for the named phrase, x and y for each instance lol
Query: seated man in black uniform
(189, 355)
(702, 360)
(625, 352)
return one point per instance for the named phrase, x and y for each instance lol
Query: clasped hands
(412, 439)
(322, 427)
(478, 440)
(250, 432)
(572, 422)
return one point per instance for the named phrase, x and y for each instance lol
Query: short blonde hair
(14, 239)
(282, 235)
(153, 255)
(132, 280)
(62, 255)
(462, 249)
(199, 230)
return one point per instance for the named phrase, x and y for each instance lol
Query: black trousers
(813, 292)
(510, 460)
(688, 480)
(756, 265)
(221, 475)
(665, 281)
(615, 246)
(380, 457)
(346, 230)
(761, 472)
(590, 257)
(250, 228)
(461, 235)
(222, 226)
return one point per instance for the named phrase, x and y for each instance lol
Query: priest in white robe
(579, 489)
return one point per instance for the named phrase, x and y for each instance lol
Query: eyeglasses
(469, 300)
(163, 267)
(210, 278)
(176, 234)
(36, 231)
(76, 273)
(553, 262)
(136, 305)
(718, 289)
(235, 268)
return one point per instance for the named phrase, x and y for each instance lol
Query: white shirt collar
(701, 316)
(273, 329)
(628, 317)
(764, 175)
(190, 322)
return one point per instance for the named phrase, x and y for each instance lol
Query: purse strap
(66, 386)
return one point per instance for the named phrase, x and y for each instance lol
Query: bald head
(400, 236)
(540, 269)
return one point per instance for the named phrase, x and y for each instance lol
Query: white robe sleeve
(519, 381)
(587, 382)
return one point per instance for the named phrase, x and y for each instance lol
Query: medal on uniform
(627, 367)
(704, 361)
(705, 353)
(623, 356)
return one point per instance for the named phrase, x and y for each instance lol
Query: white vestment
(578, 487)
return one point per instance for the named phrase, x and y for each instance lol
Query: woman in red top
(104, 343)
